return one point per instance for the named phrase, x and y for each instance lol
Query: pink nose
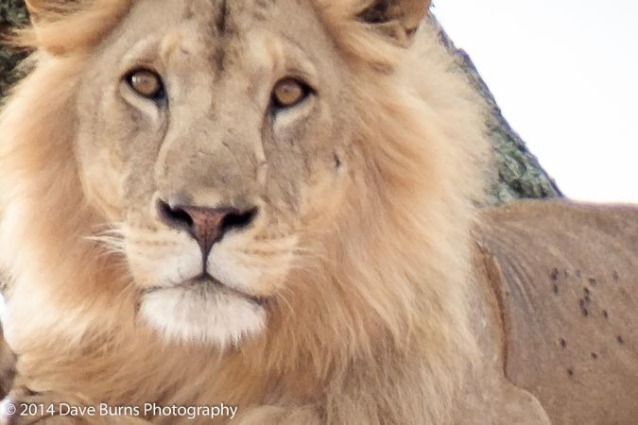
(206, 225)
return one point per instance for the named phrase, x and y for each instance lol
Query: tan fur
(563, 278)
(343, 320)
(361, 249)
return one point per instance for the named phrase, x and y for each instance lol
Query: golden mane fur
(377, 323)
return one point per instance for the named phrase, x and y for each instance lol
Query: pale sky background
(565, 74)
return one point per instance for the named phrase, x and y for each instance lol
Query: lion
(271, 208)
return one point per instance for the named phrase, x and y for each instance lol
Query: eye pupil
(146, 83)
(289, 92)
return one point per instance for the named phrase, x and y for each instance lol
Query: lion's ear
(63, 26)
(41, 14)
(44, 10)
(397, 18)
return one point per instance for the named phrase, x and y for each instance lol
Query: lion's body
(343, 291)
(564, 278)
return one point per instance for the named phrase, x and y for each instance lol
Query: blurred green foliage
(12, 15)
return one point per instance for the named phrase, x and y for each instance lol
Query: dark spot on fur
(594, 356)
(563, 343)
(584, 304)
(411, 31)
(337, 161)
(587, 292)
(220, 22)
(29, 392)
(555, 288)
(620, 340)
(616, 276)
(188, 14)
(219, 58)
(377, 14)
(570, 372)
(554, 275)
(605, 314)
(592, 281)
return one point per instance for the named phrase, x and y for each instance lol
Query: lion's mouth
(205, 283)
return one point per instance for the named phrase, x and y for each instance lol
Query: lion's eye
(146, 83)
(289, 92)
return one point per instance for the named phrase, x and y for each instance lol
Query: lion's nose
(206, 225)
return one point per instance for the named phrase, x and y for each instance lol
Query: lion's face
(214, 139)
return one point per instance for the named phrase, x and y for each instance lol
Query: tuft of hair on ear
(398, 19)
(375, 33)
(60, 27)
(48, 10)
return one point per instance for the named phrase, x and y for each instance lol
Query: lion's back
(568, 289)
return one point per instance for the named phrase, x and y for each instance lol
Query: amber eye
(146, 83)
(289, 92)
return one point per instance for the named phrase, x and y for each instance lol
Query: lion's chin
(203, 314)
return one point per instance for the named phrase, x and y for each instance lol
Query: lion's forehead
(248, 39)
(224, 20)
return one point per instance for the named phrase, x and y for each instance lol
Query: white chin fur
(200, 315)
